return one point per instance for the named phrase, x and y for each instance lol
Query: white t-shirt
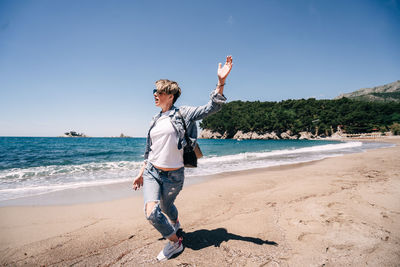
(164, 150)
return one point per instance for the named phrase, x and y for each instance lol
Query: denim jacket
(191, 115)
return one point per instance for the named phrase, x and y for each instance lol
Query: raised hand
(224, 71)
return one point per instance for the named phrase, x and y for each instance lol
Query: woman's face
(163, 99)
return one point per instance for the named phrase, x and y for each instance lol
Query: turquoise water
(37, 165)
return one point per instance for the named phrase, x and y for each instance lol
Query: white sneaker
(170, 249)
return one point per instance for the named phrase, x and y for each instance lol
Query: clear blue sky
(90, 66)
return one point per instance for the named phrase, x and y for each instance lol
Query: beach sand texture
(342, 211)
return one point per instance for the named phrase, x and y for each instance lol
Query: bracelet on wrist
(220, 85)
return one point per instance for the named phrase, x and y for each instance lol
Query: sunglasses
(155, 91)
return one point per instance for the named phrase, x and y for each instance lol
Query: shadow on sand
(205, 238)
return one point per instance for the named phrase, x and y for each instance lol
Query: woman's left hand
(224, 71)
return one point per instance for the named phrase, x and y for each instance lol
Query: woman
(162, 173)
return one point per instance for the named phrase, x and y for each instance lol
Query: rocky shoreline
(240, 135)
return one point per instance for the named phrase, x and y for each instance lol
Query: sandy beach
(339, 211)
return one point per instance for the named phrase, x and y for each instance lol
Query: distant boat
(239, 139)
(74, 134)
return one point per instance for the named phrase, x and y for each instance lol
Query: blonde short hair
(168, 87)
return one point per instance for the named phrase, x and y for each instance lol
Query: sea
(32, 166)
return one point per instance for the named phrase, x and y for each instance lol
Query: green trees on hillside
(303, 115)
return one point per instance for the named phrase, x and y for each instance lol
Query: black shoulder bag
(190, 155)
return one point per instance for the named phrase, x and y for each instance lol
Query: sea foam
(22, 182)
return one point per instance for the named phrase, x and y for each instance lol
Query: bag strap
(188, 141)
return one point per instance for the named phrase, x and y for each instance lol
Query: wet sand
(341, 211)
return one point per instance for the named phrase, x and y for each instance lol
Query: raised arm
(217, 97)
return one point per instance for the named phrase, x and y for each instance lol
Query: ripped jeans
(162, 187)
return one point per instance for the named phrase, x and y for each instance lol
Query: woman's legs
(160, 190)
(172, 185)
